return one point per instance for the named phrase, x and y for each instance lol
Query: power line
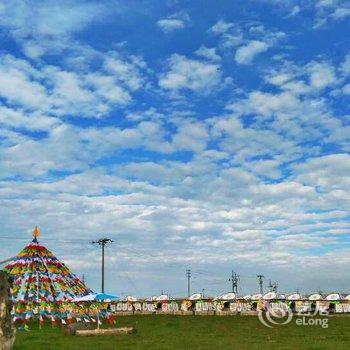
(102, 243)
(6, 260)
(47, 239)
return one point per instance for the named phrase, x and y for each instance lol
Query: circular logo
(275, 316)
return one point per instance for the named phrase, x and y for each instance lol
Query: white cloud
(126, 72)
(321, 75)
(330, 10)
(17, 85)
(295, 11)
(191, 136)
(267, 168)
(221, 27)
(245, 54)
(45, 26)
(341, 13)
(327, 172)
(308, 79)
(71, 148)
(210, 215)
(174, 22)
(55, 91)
(195, 75)
(170, 24)
(16, 118)
(47, 18)
(345, 66)
(267, 104)
(346, 89)
(208, 53)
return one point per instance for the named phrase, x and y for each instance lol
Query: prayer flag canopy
(38, 276)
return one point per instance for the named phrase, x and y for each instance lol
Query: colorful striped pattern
(38, 276)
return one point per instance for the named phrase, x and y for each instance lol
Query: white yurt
(130, 298)
(270, 296)
(333, 297)
(295, 296)
(163, 297)
(228, 296)
(195, 296)
(315, 297)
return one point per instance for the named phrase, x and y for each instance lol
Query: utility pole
(83, 279)
(102, 243)
(188, 275)
(234, 280)
(261, 282)
(273, 286)
(270, 285)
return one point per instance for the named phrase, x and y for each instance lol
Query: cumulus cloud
(191, 136)
(56, 91)
(321, 75)
(326, 173)
(221, 27)
(45, 18)
(208, 53)
(345, 66)
(329, 11)
(41, 27)
(295, 11)
(19, 119)
(245, 54)
(174, 22)
(190, 74)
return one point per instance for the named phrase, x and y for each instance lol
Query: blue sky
(211, 135)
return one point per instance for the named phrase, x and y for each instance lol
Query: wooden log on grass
(74, 327)
(108, 331)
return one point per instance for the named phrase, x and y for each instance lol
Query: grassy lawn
(195, 332)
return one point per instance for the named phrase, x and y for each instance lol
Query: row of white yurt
(268, 296)
(291, 297)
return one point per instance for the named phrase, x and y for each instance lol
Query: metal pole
(188, 274)
(189, 286)
(102, 242)
(232, 279)
(103, 269)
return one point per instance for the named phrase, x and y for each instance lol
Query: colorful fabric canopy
(39, 277)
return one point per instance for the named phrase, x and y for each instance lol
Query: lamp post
(102, 242)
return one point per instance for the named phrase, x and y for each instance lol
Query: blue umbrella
(96, 297)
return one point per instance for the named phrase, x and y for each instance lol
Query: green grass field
(194, 332)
